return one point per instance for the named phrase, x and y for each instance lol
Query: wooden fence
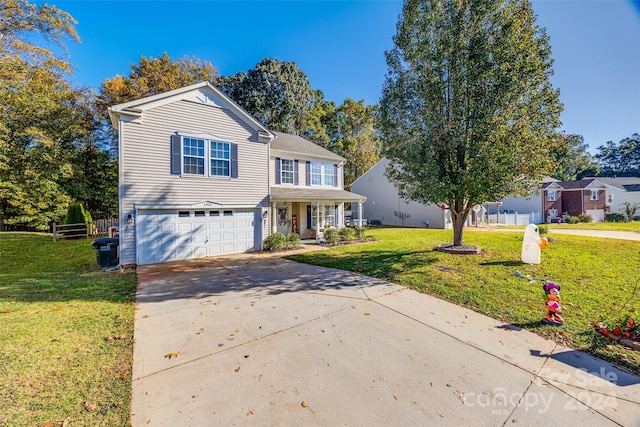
(99, 227)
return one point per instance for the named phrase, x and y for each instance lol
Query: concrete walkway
(269, 342)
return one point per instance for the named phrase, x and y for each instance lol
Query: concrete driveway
(269, 342)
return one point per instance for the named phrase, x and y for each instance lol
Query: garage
(596, 214)
(173, 235)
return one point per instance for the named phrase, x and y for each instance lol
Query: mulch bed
(460, 249)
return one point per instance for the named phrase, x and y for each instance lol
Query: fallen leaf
(238, 369)
(460, 395)
(304, 404)
(57, 308)
(46, 425)
(237, 330)
(249, 412)
(6, 311)
(90, 406)
(170, 355)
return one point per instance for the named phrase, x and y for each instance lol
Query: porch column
(274, 218)
(317, 221)
(360, 213)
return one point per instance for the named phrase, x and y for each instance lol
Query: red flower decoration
(626, 334)
(617, 332)
(603, 330)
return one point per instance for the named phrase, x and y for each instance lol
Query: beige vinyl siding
(302, 171)
(146, 163)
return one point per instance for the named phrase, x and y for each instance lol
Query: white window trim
(326, 170)
(207, 154)
(552, 195)
(292, 171)
(595, 196)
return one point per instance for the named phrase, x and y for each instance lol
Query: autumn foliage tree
(468, 112)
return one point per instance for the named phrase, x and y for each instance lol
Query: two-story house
(574, 197)
(197, 178)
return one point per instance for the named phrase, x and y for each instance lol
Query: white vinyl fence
(516, 218)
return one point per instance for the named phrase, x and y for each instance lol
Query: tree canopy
(468, 112)
(621, 159)
(573, 160)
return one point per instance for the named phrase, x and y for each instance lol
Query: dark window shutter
(234, 160)
(335, 175)
(176, 154)
(308, 216)
(308, 173)
(295, 172)
(335, 215)
(277, 170)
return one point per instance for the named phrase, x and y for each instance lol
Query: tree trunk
(458, 219)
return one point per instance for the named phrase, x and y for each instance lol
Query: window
(183, 214)
(322, 174)
(228, 213)
(552, 195)
(327, 216)
(552, 213)
(199, 213)
(220, 158)
(595, 195)
(193, 156)
(316, 173)
(286, 170)
(201, 156)
(214, 213)
(609, 198)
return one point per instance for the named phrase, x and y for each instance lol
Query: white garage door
(173, 235)
(596, 214)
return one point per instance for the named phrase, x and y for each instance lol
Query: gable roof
(203, 92)
(581, 184)
(622, 183)
(298, 145)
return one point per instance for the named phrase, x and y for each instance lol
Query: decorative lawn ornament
(531, 244)
(552, 304)
(552, 290)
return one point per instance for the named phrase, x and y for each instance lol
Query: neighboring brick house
(574, 197)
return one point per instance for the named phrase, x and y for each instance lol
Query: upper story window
(552, 195)
(287, 171)
(322, 174)
(201, 156)
(316, 173)
(609, 198)
(595, 195)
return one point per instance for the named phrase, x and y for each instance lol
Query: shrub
(275, 242)
(360, 232)
(293, 240)
(543, 229)
(583, 217)
(76, 214)
(570, 219)
(614, 217)
(332, 236)
(347, 234)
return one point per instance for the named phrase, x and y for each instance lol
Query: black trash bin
(106, 251)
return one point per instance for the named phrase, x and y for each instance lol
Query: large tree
(356, 138)
(468, 112)
(275, 92)
(621, 159)
(38, 132)
(572, 159)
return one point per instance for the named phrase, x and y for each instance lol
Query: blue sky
(340, 46)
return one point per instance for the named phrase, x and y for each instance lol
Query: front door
(284, 220)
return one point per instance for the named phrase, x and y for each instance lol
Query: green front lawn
(597, 277)
(66, 334)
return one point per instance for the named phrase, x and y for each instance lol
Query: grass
(597, 277)
(67, 334)
(632, 226)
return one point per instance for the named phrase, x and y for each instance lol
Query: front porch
(309, 212)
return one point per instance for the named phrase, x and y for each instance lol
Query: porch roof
(311, 194)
